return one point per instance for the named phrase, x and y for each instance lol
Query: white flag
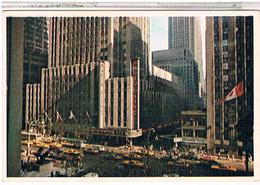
(71, 115)
(88, 116)
(58, 116)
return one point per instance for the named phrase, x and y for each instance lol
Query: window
(225, 77)
(225, 66)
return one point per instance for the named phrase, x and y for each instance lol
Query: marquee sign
(135, 68)
(116, 132)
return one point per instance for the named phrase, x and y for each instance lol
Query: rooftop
(193, 113)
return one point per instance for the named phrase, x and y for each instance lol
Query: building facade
(80, 40)
(73, 85)
(185, 33)
(94, 83)
(194, 128)
(181, 63)
(229, 48)
(161, 101)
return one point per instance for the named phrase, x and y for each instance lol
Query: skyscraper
(80, 40)
(83, 53)
(185, 33)
(229, 48)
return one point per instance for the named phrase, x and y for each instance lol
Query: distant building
(181, 63)
(35, 48)
(185, 33)
(229, 53)
(194, 128)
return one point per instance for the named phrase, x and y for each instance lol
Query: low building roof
(193, 113)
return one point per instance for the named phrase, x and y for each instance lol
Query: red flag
(235, 92)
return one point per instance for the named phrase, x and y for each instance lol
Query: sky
(159, 33)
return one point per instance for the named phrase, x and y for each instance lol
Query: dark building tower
(35, 52)
(15, 51)
(35, 48)
(229, 48)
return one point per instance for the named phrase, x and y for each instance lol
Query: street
(132, 161)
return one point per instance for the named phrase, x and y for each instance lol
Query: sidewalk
(238, 164)
(45, 171)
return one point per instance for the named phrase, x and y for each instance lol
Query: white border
(123, 12)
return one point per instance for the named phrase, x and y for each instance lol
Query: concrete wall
(210, 78)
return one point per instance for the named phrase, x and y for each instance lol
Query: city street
(138, 162)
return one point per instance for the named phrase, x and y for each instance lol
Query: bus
(33, 136)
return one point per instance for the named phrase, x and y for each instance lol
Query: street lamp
(30, 123)
(148, 136)
(148, 142)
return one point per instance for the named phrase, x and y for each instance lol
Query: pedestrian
(22, 164)
(250, 158)
(52, 174)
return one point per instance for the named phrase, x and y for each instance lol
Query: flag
(88, 116)
(58, 117)
(71, 115)
(234, 93)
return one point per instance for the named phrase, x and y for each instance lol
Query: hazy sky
(159, 33)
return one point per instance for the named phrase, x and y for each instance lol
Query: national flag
(58, 117)
(71, 115)
(234, 93)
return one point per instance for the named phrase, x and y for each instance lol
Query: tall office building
(80, 40)
(185, 33)
(84, 52)
(181, 62)
(229, 49)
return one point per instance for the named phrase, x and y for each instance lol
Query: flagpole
(245, 125)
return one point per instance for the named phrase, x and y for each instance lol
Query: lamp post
(30, 123)
(148, 142)
(148, 136)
